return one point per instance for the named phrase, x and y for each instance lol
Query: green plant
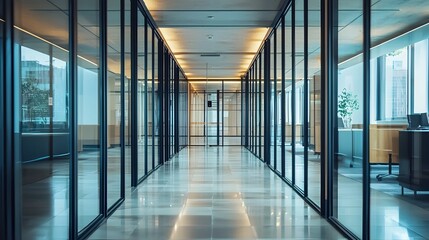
(34, 100)
(347, 104)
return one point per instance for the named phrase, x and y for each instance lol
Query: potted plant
(347, 104)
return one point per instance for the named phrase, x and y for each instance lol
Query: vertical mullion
(410, 76)
(72, 118)
(366, 118)
(275, 99)
(103, 112)
(176, 108)
(161, 102)
(145, 99)
(122, 130)
(247, 111)
(223, 112)
(8, 114)
(153, 98)
(267, 99)
(260, 105)
(306, 98)
(3, 173)
(134, 130)
(167, 106)
(283, 98)
(217, 116)
(293, 93)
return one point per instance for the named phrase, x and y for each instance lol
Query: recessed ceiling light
(210, 17)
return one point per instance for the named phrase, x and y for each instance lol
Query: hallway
(215, 193)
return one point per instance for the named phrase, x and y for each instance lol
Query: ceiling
(237, 29)
(233, 30)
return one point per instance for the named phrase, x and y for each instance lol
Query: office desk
(414, 160)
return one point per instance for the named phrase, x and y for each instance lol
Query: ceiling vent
(210, 55)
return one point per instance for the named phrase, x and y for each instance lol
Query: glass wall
(348, 171)
(300, 149)
(88, 111)
(314, 180)
(71, 113)
(279, 102)
(261, 105)
(156, 103)
(150, 98)
(183, 111)
(127, 92)
(272, 103)
(398, 120)
(370, 90)
(41, 124)
(141, 97)
(114, 102)
(287, 92)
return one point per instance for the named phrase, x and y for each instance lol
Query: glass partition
(299, 148)
(41, 124)
(88, 111)
(127, 86)
(261, 105)
(141, 98)
(348, 172)
(398, 120)
(156, 103)
(279, 102)
(150, 96)
(314, 115)
(272, 102)
(287, 97)
(114, 104)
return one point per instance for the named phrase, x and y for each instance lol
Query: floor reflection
(215, 193)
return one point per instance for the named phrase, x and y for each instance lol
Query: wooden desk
(384, 140)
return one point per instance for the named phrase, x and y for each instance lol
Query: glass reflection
(287, 92)
(313, 72)
(114, 111)
(88, 111)
(156, 102)
(299, 150)
(348, 153)
(279, 104)
(272, 103)
(141, 98)
(397, 144)
(150, 102)
(41, 119)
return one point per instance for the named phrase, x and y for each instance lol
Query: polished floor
(215, 193)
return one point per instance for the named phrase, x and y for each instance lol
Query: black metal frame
(134, 128)
(73, 212)
(8, 141)
(267, 98)
(275, 100)
(306, 100)
(8, 202)
(260, 83)
(283, 98)
(176, 108)
(3, 173)
(146, 103)
(329, 42)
